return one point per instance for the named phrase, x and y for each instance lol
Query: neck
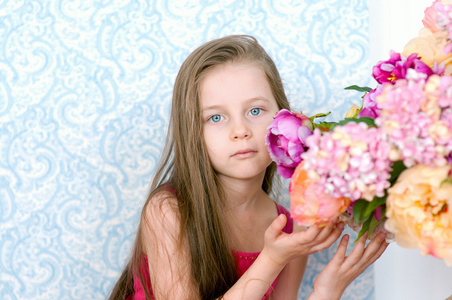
(243, 193)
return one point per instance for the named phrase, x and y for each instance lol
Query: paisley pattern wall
(85, 88)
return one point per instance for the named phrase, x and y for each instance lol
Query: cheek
(212, 142)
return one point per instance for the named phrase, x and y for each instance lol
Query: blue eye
(255, 111)
(215, 118)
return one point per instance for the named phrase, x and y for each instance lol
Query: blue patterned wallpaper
(85, 89)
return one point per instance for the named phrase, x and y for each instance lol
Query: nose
(240, 130)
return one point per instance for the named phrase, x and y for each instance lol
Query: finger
(375, 248)
(330, 239)
(384, 245)
(325, 231)
(310, 234)
(360, 245)
(371, 253)
(276, 227)
(339, 256)
(358, 250)
(379, 252)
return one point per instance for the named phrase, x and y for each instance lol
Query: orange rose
(309, 205)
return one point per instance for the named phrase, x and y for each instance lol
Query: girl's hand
(281, 247)
(342, 270)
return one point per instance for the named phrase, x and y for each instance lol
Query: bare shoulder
(162, 205)
(161, 216)
(166, 248)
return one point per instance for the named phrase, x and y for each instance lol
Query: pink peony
(397, 67)
(370, 107)
(429, 20)
(444, 21)
(419, 212)
(309, 205)
(286, 140)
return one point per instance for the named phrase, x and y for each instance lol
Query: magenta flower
(370, 107)
(382, 72)
(286, 140)
(397, 66)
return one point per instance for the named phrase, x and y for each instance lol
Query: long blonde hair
(186, 167)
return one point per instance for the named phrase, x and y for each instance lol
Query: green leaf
(369, 121)
(448, 180)
(359, 210)
(397, 168)
(373, 225)
(376, 202)
(365, 228)
(358, 88)
(320, 115)
(324, 126)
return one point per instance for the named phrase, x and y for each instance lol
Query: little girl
(209, 229)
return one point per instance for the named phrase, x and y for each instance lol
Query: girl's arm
(169, 259)
(290, 278)
(284, 255)
(168, 256)
(337, 275)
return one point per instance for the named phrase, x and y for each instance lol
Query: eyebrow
(251, 100)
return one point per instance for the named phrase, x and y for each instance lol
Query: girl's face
(237, 106)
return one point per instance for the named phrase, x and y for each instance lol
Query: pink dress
(243, 261)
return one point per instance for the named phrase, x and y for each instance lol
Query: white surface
(403, 273)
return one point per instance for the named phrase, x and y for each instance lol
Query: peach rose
(419, 212)
(429, 47)
(309, 205)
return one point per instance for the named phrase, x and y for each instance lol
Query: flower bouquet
(388, 165)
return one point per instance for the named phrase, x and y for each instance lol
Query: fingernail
(340, 226)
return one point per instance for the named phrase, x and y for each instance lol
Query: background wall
(85, 87)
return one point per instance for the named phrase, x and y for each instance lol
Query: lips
(244, 153)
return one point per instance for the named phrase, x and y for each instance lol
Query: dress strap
(282, 210)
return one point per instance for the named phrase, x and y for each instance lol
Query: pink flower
(419, 212)
(352, 161)
(309, 205)
(397, 66)
(286, 140)
(370, 107)
(429, 20)
(443, 20)
(416, 116)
